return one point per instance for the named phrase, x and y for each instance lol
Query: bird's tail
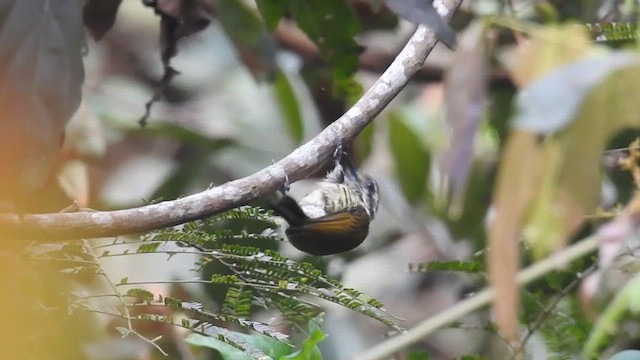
(288, 208)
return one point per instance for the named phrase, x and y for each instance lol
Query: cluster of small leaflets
(613, 31)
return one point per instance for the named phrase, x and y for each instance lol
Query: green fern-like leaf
(238, 301)
(148, 248)
(140, 294)
(223, 279)
(196, 311)
(613, 31)
(293, 309)
(564, 328)
(221, 334)
(453, 265)
(257, 277)
(240, 250)
(173, 302)
(623, 304)
(244, 213)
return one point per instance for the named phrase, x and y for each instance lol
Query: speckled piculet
(335, 217)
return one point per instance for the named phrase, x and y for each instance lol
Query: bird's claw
(337, 154)
(287, 185)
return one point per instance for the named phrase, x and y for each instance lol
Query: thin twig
(102, 296)
(256, 285)
(125, 305)
(178, 324)
(157, 282)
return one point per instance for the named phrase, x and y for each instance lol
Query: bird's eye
(371, 186)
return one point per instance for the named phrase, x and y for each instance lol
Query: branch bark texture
(297, 165)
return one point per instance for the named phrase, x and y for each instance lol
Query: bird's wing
(335, 223)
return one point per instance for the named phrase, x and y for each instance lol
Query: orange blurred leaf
(516, 185)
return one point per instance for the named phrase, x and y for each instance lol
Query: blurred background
(244, 96)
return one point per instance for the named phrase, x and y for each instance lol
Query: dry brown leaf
(516, 185)
(41, 74)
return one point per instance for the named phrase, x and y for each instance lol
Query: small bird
(335, 217)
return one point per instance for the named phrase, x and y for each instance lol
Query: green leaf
(227, 351)
(608, 323)
(332, 25)
(452, 265)
(546, 12)
(411, 159)
(148, 248)
(254, 45)
(238, 302)
(310, 349)
(289, 106)
(364, 141)
(270, 347)
(613, 31)
(223, 279)
(418, 355)
(275, 349)
(200, 146)
(173, 302)
(171, 131)
(272, 11)
(240, 22)
(140, 293)
(183, 175)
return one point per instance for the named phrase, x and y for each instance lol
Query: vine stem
(297, 165)
(481, 299)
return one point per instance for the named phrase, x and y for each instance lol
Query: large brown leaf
(41, 74)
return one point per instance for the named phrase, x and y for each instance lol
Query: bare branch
(232, 194)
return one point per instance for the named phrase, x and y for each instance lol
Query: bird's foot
(287, 185)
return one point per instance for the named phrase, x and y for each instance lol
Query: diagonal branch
(232, 194)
